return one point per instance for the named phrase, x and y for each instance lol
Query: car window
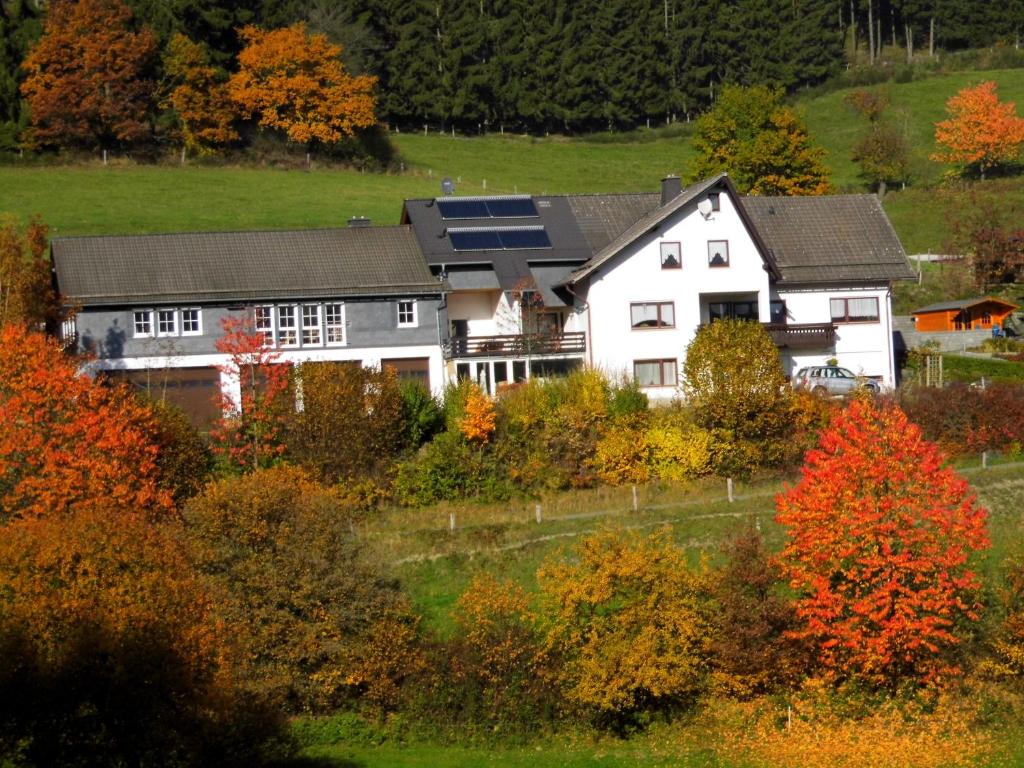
(844, 373)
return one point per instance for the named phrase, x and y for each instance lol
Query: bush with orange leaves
(981, 131)
(478, 417)
(628, 625)
(109, 651)
(69, 443)
(880, 534)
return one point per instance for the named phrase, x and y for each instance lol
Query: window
(143, 322)
(862, 310)
(311, 325)
(653, 315)
(191, 323)
(407, 314)
(740, 310)
(334, 323)
(718, 253)
(287, 325)
(671, 256)
(778, 311)
(656, 373)
(715, 198)
(263, 322)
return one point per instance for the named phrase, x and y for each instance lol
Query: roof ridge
(232, 232)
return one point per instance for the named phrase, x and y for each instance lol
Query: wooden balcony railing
(802, 336)
(521, 345)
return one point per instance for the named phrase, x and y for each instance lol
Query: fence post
(537, 510)
(451, 521)
(728, 488)
(984, 459)
(636, 500)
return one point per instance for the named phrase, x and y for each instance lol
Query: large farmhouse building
(499, 289)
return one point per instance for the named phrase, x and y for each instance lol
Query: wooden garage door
(417, 368)
(195, 391)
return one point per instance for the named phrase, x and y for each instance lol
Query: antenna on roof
(447, 186)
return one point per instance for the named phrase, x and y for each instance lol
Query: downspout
(590, 335)
(891, 342)
(442, 305)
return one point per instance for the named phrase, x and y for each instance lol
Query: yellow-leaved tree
(294, 82)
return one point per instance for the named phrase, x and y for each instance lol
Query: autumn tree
(734, 382)
(199, 97)
(351, 422)
(478, 418)
(628, 626)
(761, 143)
(298, 587)
(879, 537)
(883, 154)
(27, 295)
(294, 82)
(87, 81)
(981, 132)
(250, 433)
(987, 230)
(68, 442)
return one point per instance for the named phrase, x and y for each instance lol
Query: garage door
(416, 368)
(196, 391)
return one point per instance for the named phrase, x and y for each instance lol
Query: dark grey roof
(829, 239)
(602, 218)
(655, 216)
(945, 306)
(241, 266)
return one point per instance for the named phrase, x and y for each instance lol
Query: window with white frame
(311, 331)
(166, 322)
(855, 310)
(656, 373)
(142, 322)
(407, 314)
(263, 322)
(287, 327)
(660, 314)
(191, 322)
(334, 323)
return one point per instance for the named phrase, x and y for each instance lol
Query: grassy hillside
(92, 199)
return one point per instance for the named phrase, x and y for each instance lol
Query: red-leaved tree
(249, 433)
(879, 537)
(69, 443)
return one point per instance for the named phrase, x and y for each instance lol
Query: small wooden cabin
(964, 315)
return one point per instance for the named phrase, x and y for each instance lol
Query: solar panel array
(499, 239)
(487, 208)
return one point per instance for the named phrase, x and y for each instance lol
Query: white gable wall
(636, 275)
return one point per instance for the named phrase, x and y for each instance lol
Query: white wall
(480, 309)
(636, 275)
(864, 348)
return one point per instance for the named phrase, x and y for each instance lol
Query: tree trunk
(881, 188)
(910, 44)
(871, 32)
(853, 27)
(931, 38)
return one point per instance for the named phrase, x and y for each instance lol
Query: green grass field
(125, 198)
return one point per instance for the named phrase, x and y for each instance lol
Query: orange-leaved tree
(26, 289)
(478, 420)
(68, 442)
(249, 434)
(981, 132)
(295, 82)
(880, 533)
(199, 97)
(86, 83)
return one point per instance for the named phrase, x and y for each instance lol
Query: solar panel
(512, 208)
(453, 208)
(475, 240)
(514, 239)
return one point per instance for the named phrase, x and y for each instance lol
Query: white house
(817, 271)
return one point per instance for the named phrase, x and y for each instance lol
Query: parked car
(831, 380)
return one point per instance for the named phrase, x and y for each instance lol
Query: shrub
(678, 449)
(110, 654)
(879, 537)
(421, 413)
(449, 468)
(964, 419)
(352, 423)
(478, 418)
(296, 586)
(628, 625)
(621, 456)
(183, 460)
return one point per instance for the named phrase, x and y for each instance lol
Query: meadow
(87, 198)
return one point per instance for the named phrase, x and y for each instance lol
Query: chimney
(359, 221)
(671, 187)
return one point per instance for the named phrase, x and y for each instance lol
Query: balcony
(804, 336)
(521, 345)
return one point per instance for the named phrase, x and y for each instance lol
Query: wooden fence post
(540, 517)
(451, 521)
(728, 488)
(636, 500)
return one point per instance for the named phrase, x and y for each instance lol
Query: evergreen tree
(20, 27)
